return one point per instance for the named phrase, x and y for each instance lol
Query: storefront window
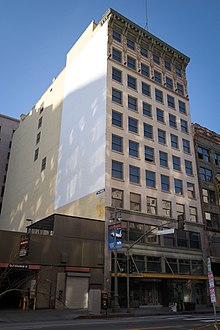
(154, 264)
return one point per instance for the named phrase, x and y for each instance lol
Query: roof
(145, 33)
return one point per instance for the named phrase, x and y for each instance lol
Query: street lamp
(115, 220)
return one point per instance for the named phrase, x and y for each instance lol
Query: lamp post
(114, 220)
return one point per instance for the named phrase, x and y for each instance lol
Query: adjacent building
(113, 133)
(207, 146)
(8, 126)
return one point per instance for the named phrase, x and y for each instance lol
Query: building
(112, 132)
(58, 260)
(207, 147)
(8, 126)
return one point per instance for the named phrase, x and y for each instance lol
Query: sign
(211, 282)
(104, 300)
(114, 237)
(24, 245)
(165, 232)
(100, 191)
(18, 266)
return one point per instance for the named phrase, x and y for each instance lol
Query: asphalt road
(168, 322)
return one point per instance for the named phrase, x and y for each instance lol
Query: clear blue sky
(36, 35)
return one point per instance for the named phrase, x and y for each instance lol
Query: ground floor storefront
(162, 290)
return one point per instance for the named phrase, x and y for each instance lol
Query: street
(168, 322)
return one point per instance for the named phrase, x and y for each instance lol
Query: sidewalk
(18, 315)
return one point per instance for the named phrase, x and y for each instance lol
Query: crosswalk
(187, 317)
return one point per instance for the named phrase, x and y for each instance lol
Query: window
(131, 62)
(170, 101)
(188, 167)
(182, 107)
(132, 103)
(145, 70)
(197, 267)
(169, 240)
(160, 115)
(148, 131)
(133, 149)
(38, 138)
(117, 170)
(132, 82)
(169, 83)
(135, 202)
(178, 72)
(149, 154)
(116, 75)
(165, 182)
(180, 89)
(208, 196)
(41, 110)
(150, 179)
(130, 44)
(158, 95)
(116, 96)
(176, 163)
(171, 266)
(184, 266)
(193, 214)
(163, 159)
(156, 59)
(135, 231)
(147, 109)
(180, 209)
(43, 164)
(217, 159)
(117, 119)
(161, 136)
(151, 205)
(212, 221)
(117, 143)
(203, 154)
(134, 174)
(167, 64)
(116, 55)
(154, 264)
(146, 89)
(144, 51)
(174, 141)
(36, 153)
(191, 190)
(166, 209)
(116, 36)
(184, 126)
(194, 240)
(186, 146)
(117, 198)
(178, 184)
(2, 191)
(132, 125)
(157, 77)
(205, 174)
(182, 238)
(40, 122)
(172, 121)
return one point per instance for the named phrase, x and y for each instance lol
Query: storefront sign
(24, 245)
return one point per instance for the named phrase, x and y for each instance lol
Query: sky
(35, 36)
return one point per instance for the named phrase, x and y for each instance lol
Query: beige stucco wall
(29, 193)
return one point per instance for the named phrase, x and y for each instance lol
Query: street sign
(165, 232)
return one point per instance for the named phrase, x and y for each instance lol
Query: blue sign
(114, 237)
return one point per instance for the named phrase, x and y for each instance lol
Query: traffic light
(181, 221)
(122, 266)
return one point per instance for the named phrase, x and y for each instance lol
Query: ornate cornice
(156, 42)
